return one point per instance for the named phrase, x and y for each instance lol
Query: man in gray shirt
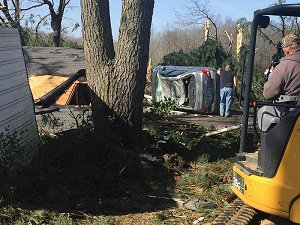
(285, 77)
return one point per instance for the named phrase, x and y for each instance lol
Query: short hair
(291, 41)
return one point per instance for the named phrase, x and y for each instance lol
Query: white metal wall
(16, 103)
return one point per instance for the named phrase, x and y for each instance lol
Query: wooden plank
(66, 97)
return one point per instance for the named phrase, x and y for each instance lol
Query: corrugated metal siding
(16, 103)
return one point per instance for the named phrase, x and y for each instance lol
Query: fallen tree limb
(177, 200)
(223, 130)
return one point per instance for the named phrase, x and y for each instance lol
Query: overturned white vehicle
(195, 88)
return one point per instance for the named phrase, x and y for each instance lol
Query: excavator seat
(268, 116)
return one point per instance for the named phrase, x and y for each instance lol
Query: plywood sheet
(41, 85)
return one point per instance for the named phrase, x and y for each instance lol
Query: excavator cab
(267, 178)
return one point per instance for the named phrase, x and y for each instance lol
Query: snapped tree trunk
(117, 79)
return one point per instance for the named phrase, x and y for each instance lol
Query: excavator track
(237, 213)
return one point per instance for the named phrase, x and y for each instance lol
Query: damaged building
(58, 84)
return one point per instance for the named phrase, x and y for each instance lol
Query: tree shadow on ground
(84, 172)
(81, 174)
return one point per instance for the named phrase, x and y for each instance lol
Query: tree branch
(2, 20)
(38, 24)
(5, 4)
(266, 37)
(196, 12)
(32, 7)
(7, 15)
(50, 6)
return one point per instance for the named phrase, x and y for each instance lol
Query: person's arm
(234, 81)
(274, 86)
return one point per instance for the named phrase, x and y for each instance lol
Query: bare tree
(167, 41)
(13, 17)
(56, 16)
(197, 12)
(282, 27)
(117, 79)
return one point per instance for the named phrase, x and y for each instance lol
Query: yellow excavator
(268, 178)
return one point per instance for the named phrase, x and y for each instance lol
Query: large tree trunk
(117, 80)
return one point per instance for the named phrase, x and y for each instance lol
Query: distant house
(19, 138)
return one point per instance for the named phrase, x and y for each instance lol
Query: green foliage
(184, 138)
(50, 120)
(41, 39)
(10, 148)
(83, 120)
(211, 53)
(176, 58)
(202, 159)
(211, 179)
(258, 84)
(62, 219)
(162, 109)
(34, 217)
(161, 217)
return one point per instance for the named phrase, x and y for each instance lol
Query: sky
(164, 11)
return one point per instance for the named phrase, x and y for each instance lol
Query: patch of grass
(62, 219)
(161, 217)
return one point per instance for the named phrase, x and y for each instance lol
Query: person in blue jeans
(227, 83)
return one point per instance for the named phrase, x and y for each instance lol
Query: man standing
(227, 83)
(285, 77)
